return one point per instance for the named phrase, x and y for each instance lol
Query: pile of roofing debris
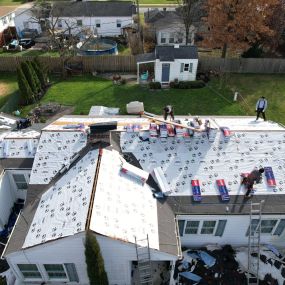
(227, 266)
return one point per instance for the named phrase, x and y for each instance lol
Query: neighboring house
(7, 15)
(168, 27)
(77, 185)
(103, 18)
(170, 63)
(25, 20)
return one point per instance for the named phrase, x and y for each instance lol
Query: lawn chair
(144, 76)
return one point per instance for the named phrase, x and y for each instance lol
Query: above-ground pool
(98, 46)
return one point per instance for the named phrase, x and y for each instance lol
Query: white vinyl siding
(119, 23)
(98, 23)
(232, 229)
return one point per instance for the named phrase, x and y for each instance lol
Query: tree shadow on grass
(10, 103)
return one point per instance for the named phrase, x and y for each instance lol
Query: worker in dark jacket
(168, 110)
(254, 177)
(260, 107)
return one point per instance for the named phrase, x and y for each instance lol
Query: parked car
(13, 46)
(29, 33)
(26, 42)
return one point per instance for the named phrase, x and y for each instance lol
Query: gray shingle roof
(93, 9)
(169, 53)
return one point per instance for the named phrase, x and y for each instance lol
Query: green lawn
(158, 2)
(11, 2)
(83, 92)
(28, 52)
(8, 92)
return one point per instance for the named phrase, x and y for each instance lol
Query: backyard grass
(11, 2)
(216, 99)
(29, 52)
(8, 91)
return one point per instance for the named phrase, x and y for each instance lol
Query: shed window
(181, 224)
(208, 227)
(280, 228)
(79, 23)
(98, 23)
(30, 271)
(55, 271)
(71, 272)
(26, 25)
(119, 23)
(163, 38)
(186, 67)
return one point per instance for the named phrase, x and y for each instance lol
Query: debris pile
(227, 266)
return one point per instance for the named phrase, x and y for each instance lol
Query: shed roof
(93, 9)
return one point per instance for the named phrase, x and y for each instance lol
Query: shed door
(165, 72)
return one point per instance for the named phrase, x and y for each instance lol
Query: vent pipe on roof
(176, 46)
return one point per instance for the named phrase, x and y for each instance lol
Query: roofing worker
(254, 177)
(260, 108)
(168, 110)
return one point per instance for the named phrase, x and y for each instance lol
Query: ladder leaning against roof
(144, 262)
(254, 243)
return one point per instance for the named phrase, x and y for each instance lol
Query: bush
(253, 52)
(123, 81)
(3, 281)
(26, 94)
(154, 85)
(43, 69)
(94, 260)
(187, 84)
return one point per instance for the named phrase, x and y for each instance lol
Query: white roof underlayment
(123, 206)
(103, 111)
(19, 144)
(55, 151)
(63, 208)
(182, 159)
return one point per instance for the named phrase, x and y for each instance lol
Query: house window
(186, 67)
(29, 271)
(171, 38)
(59, 23)
(98, 23)
(208, 227)
(55, 271)
(79, 23)
(267, 226)
(20, 181)
(163, 38)
(119, 23)
(192, 227)
(26, 25)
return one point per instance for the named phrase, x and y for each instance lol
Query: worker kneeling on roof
(168, 110)
(254, 177)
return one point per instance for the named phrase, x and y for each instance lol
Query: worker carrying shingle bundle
(168, 110)
(254, 177)
(260, 108)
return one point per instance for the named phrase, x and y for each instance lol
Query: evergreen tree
(36, 79)
(30, 78)
(26, 94)
(43, 69)
(94, 260)
(40, 74)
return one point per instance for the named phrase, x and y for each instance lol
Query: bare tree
(188, 10)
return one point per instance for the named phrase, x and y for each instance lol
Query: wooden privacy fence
(243, 65)
(127, 63)
(105, 63)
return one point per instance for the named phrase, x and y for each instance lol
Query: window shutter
(254, 225)
(280, 228)
(181, 224)
(220, 228)
(181, 67)
(190, 67)
(71, 272)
